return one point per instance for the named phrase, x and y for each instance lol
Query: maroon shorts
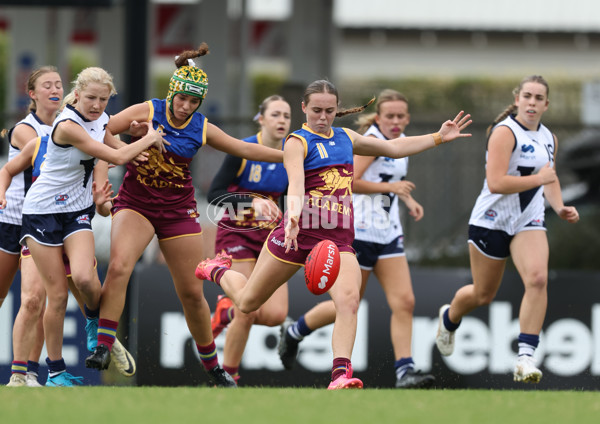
(241, 245)
(168, 224)
(25, 253)
(276, 248)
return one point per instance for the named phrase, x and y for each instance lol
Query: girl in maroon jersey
(318, 160)
(157, 197)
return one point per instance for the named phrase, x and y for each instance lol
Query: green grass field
(289, 405)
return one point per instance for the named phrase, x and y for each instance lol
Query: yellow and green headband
(187, 80)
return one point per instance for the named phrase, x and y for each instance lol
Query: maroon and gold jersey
(165, 181)
(328, 170)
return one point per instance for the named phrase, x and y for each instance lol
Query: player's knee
(274, 317)
(347, 304)
(404, 303)
(248, 306)
(537, 281)
(58, 301)
(485, 298)
(32, 303)
(86, 282)
(192, 298)
(247, 319)
(118, 269)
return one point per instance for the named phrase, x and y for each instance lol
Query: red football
(322, 267)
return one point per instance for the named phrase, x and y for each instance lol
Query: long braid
(182, 58)
(324, 86)
(509, 109)
(188, 78)
(356, 109)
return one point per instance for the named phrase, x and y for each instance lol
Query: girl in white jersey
(379, 241)
(59, 206)
(45, 90)
(508, 220)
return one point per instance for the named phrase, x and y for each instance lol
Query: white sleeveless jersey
(65, 183)
(377, 215)
(512, 212)
(21, 182)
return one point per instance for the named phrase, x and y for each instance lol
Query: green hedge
(435, 96)
(485, 96)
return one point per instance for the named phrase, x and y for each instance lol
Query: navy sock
(33, 367)
(450, 326)
(91, 314)
(302, 327)
(56, 367)
(299, 329)
(528, 343)
(402, 365)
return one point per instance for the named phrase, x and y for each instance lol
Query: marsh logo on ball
(322, 267)
(323, 282)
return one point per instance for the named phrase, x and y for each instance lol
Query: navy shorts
(9, 238)
(368, 253)
(494, 244)
(52, 229)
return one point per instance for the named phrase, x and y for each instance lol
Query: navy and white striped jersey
(21, 182)
(512, 212)
(377, 215)
(65, 183)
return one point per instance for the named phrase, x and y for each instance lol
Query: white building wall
(512, 15)
(434, 55)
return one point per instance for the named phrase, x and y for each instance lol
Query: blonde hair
(513, 107)
(86, 77)
(387, 95)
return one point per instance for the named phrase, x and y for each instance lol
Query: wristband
(437, 138)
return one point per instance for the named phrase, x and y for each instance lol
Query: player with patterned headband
(171, 214)
(319, 162)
